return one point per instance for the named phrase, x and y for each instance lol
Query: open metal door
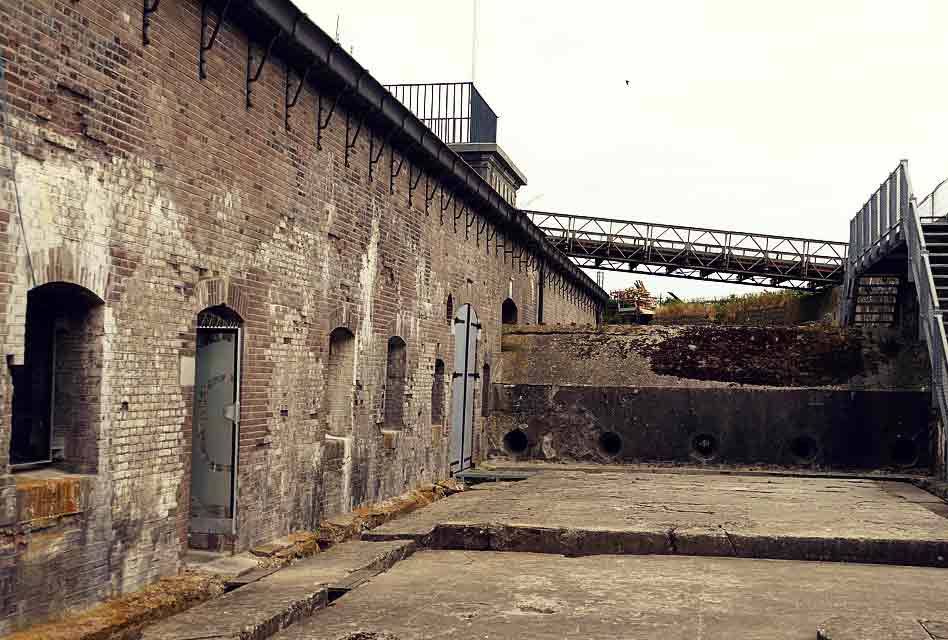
(215, 430)
(466, 331)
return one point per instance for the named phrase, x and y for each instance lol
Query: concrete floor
(444, 594)
(691, 514)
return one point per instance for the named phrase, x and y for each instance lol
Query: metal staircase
(935, 234)
(893, 229)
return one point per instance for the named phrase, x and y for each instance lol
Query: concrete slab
(442, 594)
(418, 524)
(219, 563)
(260, 609)
(743, 516)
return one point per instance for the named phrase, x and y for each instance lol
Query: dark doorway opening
(508, 312)
(56, 391)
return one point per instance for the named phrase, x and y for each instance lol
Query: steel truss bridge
(695, 253)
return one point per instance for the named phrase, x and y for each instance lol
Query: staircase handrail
(934, 206)
(931, 322)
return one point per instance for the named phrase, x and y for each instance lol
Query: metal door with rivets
(215, 428)
(466, 332)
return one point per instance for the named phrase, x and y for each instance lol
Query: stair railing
(873, 230)
(930, 320)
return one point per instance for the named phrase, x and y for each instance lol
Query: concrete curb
(697, 542)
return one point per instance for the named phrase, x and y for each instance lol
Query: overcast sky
(752, 115)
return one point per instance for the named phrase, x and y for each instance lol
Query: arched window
(449, 309)
(339, 379)
(485, 391)
(395, 370)
(508, 312)
(437, 393)
(57, 389)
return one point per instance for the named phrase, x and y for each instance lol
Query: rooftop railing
(454, 111)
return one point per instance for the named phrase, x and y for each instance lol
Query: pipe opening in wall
(610, 443)
(904, 452)
(704, 446)
(515, 442)
(803, 448)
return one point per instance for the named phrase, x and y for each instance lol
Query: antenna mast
(474, 29)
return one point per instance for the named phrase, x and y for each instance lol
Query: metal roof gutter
(299, 32)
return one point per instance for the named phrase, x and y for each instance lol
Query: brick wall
(162, 195)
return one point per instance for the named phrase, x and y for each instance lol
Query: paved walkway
(690, 556)
(456, 594)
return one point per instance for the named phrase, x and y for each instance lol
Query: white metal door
(214, 431)
(466, 330)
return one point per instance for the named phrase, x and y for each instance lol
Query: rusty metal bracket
(289, 103)
(393, 172)
(147, 10)
(412, 185)
(208, 43)
(457, 214)
(374, 157)
(351, 143)
(323, 124)
(429, 193)
(468, 222)
(253, 76)
(445, 204)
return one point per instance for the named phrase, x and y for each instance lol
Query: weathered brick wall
(162, 195)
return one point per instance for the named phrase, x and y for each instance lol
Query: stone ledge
(276, 601)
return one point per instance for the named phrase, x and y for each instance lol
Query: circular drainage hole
(610, 443)
(516, 442)
(803, 448)
(904, 452)
(704, 445)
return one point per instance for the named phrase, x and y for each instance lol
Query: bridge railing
(672, 245)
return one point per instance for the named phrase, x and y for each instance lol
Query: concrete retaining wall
(838, 429)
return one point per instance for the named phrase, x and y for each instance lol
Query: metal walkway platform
(695, 253)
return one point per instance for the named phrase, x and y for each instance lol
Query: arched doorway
(508, 312)
(56, 404)
(215, 426)
(466, 331)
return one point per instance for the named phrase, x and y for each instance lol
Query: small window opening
(485, 391)
(340, 373)
(437, 393)
(395, 370)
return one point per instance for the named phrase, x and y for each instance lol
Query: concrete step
(276, 601)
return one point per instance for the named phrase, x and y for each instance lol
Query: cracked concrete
(441, 594)
(574, 513)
